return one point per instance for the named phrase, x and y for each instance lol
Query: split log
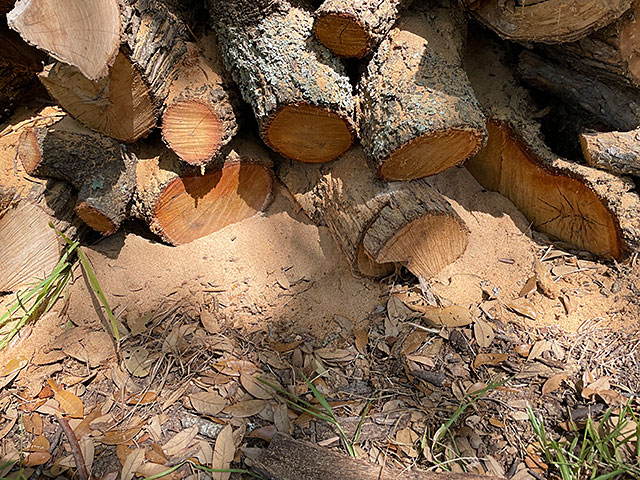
(97, 166)
(290, 459)
(616, 152)
(200, 117)
(616, 105)
(82, 33)
(377, 223)
(19, 64)
(30, 248)
(612, 52)
(546, 21)
(353, 29)
(418, 114)
(127, 103)
(299, 92)
(590, 209)
(181, 205)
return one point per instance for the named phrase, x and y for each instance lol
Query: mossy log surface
(418, 115)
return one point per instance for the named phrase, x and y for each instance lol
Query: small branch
(75, 448)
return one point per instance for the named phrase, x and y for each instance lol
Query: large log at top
(418, 115)
(298, 91)
(593, 210)
(353, 29)
(375, 223)
(82, 33)
(546, 21)
(96, 165)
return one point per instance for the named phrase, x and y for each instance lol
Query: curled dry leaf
(13, 366)
(362, 339)
(256, 388)
(223, 453)
(529, 286)
(207, 403)
(180, 441)
(37, 458)
(284, 347)
(334, 355)
(489, 359)
(264, 433)
(483, 332)
(523, 349)
(523, 307)
(553, 383)
(538, 349)
(235, 367)
(453, 316)
(70, 403)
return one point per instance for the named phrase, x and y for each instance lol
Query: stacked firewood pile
(179, 126)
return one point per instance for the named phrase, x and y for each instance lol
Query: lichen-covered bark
(363, 213)
(508, 106)
(374, 17)
(276, 61)
(616, 152)
(415, 86)
(547, 21)
(617, 106)
(97, 166)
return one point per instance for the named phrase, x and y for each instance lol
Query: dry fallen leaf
(245, 409)
(284, 347)
(523, 307)
(529, 286)
(453, 316)
(120, 437)
(137, 361)
(132, 463)
(264, 433)
(70, 403)
(362, 339)
(39, 444)
(207, 403)
(489, 359)
(281, 418)
(13, 366)
(483, 332)
(142, 398)
(37, 458)
(538, 349)
(413, 341)
(180, 441)
(223, 453)
(553, 383)
(523, 349)
(235, 367)
(254, 387)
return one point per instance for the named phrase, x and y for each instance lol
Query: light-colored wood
(616, 152)
(82, 33)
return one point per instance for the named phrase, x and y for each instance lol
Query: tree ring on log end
(308, 133)
(431, 154)
(95, 219)
(194, 206)
(191, 127)
(342, 34)
(426, 245)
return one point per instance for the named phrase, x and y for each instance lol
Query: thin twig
(75, 448)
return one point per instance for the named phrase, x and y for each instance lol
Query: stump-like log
(593, 210)
(82, 33)
(377, 223)
(616, 152)
(201, 113)
(298, 91)
(353, 29)
(618, 106)
(612, 52)
(418, 115)
(97, 166)
(546, 21)
(30, 248)
(181, 205)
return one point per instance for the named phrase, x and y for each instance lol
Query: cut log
(181, 205)
(290, 459)
(200, 117)
(616, 152)
(612, 52)
(30, 248)
(617, 106)
(353, 29)
(82, 33)
(377, 223)
(418, 114)
(590, 209)
(299, 92)
(97, 166)
(19, 64)
(127, 103)
(546, 21)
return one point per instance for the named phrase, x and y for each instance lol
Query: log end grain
(431, 154)
(308, 133)
(343, 34)
(96, 219)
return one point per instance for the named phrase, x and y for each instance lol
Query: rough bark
(377, 223)
(30, 248)
(298, 91)
(546, 21)
(181, 205)
(201, 113)
(418, 115)
(82, 33)
(289, 459)
(616, 105)
(612, 52)
(616, 152)
(97, 166)
(593, 210)
(353, 29)
(19, 64)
